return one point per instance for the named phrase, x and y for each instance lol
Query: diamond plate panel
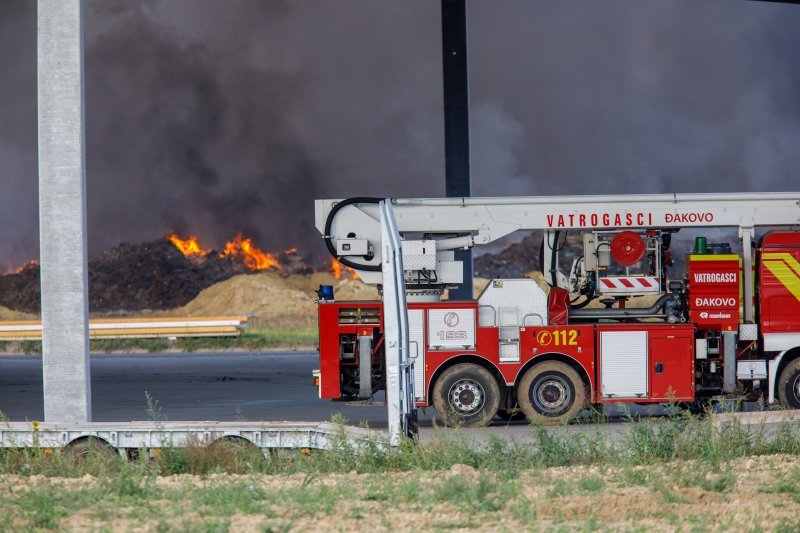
(748, 332)
(523, 294)
(419, 255)
(509, 352)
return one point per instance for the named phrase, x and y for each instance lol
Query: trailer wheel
(84, 448)
(466, 395)
(789, 385)
(551, 393)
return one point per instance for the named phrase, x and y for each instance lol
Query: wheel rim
(467, 396)
(796, 388)
(551, 394)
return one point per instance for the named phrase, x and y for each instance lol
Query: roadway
(207, 386)
(267, 386)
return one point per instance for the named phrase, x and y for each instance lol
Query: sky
(211, 117)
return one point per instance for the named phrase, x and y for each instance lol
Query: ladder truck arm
(431, 228)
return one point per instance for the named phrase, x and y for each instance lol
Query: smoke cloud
(214, 117)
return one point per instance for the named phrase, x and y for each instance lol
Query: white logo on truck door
(451, 320)
(715, 277)
(715, 302)
(704, 315)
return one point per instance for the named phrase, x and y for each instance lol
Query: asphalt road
(217, 386)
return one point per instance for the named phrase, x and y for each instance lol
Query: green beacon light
(700, 245)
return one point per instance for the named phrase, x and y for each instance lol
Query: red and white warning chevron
(628, 284)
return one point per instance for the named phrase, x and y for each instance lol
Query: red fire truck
(629, 320)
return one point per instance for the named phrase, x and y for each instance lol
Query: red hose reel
(628, 248)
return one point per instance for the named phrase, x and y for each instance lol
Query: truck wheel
(789, 385)
(551, 393)
(466, 395)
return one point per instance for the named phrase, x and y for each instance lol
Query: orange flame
(252, 256)
(336, 268)
(290, 251)
(30, 264)
(188, 247)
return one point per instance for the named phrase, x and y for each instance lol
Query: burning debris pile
(159, 275)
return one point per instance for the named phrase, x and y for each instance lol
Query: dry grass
(673, 474)
(757, 494)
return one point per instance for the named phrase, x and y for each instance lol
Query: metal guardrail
(129, 328)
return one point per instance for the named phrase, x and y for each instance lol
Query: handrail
(540, 317)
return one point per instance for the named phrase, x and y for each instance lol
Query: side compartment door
(623, 364)
(416, 345)
(671, 368)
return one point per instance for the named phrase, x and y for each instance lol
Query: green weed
(591, 484)
(226, 499)
(787, 485)
(560, 488)
(481, 493)
(44, 507)
(31, 347)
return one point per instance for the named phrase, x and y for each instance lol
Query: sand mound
(274, 300)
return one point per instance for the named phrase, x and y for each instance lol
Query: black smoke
(214, 117)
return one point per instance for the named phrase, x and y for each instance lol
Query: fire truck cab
(622, 323)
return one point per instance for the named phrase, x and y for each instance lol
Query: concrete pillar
(62, 212)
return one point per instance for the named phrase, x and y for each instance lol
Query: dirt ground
(750, 494)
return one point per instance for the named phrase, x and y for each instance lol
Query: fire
(252, 256)
(188, 247)
(338, 270)
(27, 266)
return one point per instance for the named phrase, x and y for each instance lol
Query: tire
(466, 395)
(788, 383)
(551, 393)
(90, 447)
